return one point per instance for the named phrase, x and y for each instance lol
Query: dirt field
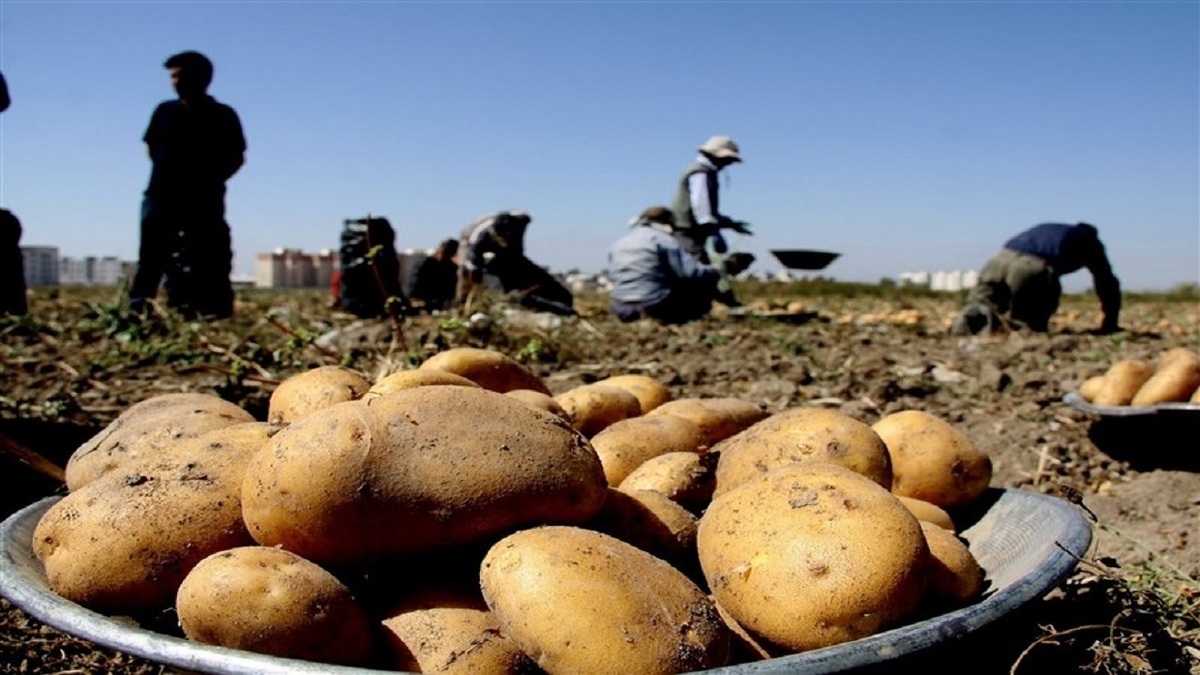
(1133, 606)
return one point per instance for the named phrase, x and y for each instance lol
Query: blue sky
(905, 135)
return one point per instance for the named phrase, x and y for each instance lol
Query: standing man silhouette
(12, 265)
(196, 144)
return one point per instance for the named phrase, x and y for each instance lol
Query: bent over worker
(1020, 284)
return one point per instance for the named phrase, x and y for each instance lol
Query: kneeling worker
(655, 277)
(1020, 284)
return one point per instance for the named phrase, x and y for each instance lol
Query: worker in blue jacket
(1020, 285)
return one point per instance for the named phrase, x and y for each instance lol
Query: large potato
(123, 542)
(799, 434)
(627, 444)
(1173, 382)
(488, 368)
(447, 629)
(932, 460)
(306, 392)
(718, 418)
(615, 608)
(813, 554)
(1122, 381)
(650, 392)
(594, 407)
(419, 468)
(270, 601)
(146, 429)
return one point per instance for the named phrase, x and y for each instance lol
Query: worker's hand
(737, 263)
(741, 227)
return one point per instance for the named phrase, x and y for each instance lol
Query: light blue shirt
(647, 264)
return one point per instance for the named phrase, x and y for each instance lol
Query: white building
(948, 281)
(41, 265)
(293, 268)
(93, 271)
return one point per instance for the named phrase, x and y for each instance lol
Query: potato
(123, 542)
(955, 576)
(932, 460)
(615, 609)
(650, 521)
(625, 445)
(800, 434)
(306, 392)
(1173, 382)
(146, 430)
(407, 379)
(650, 392)
(593, 407)
(718, 418)
(448, 629)
(929, 513)
(813, 554)
(540, 401)
(1176, 354)
(420, 468)
(271, 601)
(1091, 387)
(687, 478)
(488, 368)
(1122, 381)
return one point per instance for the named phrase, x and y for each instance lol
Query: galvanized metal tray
(1026, 543)
(1075, 400)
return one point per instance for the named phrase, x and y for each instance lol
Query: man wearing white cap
(696, 207)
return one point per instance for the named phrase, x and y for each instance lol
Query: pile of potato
(1173, 378)
(459, 518)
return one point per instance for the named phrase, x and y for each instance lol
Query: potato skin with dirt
(811, 555)
(311, 390)
(932, 460)
(146, 428)
(616, 609)
(124, 542)
(687, 478)
(269, 601)
(650, 521)
(416, 469)
(490, 369)
(799, 434)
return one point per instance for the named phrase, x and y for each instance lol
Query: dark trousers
(188, 243)
(12, 267)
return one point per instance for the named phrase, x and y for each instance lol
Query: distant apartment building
(41, 265)
(94, 271)
(293, 268)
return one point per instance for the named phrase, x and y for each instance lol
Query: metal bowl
(796, 259)
(1076, 400)
(1026, 543)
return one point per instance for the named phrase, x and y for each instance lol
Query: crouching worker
(494, 246)
(1019, 286)
(654, 276)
